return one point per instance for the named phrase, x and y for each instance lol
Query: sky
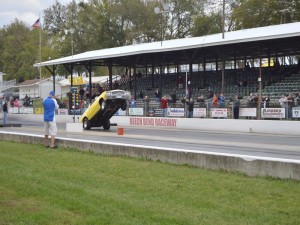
(24, 10)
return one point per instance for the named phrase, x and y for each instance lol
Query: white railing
(5, 85)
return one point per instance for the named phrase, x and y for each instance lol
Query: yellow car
(103, 108)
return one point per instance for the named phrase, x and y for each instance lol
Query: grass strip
(66, 186)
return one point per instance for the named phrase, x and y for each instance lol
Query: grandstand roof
(277, 39)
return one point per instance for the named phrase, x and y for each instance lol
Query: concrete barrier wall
(223, 125)
(252, 166)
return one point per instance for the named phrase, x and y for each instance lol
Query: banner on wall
(175, 112)
(158, 112)
(199, 112)
(249, 112)
(296, 112)
(219, 112)
(136, 111)
(278, 113)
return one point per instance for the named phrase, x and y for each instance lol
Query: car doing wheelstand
(103, 108)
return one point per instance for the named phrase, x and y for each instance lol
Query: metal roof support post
(53, 76)
(152, 75)
(89, 68)
(110, 73)
(130, 79)
(269, 58)
(146, 70)
(161, 83)
(260, 87)
(135, 80)
(72, 67)
(190, 78)
(223, 72)
(204, 71)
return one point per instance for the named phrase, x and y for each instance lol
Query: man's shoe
(55, 146)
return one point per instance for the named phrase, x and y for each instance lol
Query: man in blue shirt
(50, 105)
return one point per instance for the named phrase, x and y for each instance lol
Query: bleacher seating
(274, 83)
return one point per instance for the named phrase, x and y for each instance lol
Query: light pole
(223, 20)
(157, 10)
(72, 30)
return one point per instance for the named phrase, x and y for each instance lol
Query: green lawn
(64, 186)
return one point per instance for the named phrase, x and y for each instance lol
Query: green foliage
(43, 186)
(102, 24)
(256, 13)
(205, 25)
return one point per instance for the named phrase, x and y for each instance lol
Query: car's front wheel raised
(86, 124)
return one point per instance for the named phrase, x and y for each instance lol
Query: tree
(257, 13)
(206, 25)
(16, 57)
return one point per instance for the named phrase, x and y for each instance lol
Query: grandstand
(274, 82)
(165, 60)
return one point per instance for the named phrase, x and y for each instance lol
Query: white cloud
(24, 10)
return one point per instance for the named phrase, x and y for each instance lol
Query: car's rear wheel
(86, 124)
(106, 125)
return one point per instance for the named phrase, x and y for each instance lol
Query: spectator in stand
(236, 107)
(146, 101)
(180, 82)
(291, 104)
(253, 100)
(201, 101)
(267, 101)
(164, 105)
(5, 111)
(284, 104)
(190, 104)
(132, 103)
(214, 101)
(297, 100)
(157, 95)
(173, 99)
(221, 100)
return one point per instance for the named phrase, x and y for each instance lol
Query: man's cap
(52, 93)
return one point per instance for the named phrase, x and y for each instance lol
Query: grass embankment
(43, 186)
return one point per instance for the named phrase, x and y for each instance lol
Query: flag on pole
(37, 24)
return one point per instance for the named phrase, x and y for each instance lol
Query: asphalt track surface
(247, 144)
